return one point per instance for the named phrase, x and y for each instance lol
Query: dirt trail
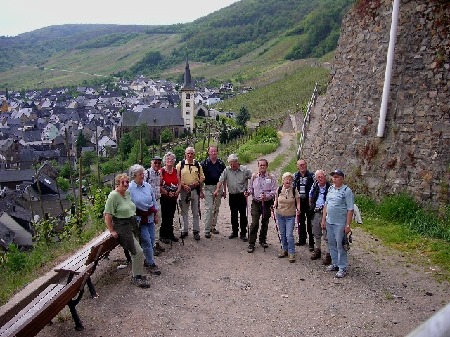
(213, 287)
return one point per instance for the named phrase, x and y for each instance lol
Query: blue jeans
(148, 241)
(286, 226)
(335, 234)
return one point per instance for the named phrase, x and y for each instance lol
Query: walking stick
(179, 221)
(215, 211)
(276, 226)
(246, 215)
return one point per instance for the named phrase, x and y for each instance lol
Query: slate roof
(153, 117)
(7, 176)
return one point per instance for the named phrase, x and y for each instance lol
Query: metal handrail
(306, 119)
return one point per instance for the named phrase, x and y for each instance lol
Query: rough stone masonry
(413, 155)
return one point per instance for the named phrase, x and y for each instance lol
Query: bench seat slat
(31, 309)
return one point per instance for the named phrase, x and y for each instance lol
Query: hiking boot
(153, 269)
(311, 248)
(232, 236)
(282, 253)
(264, 244)
(158, 247)
(196, 236)
(326, 260)
(208, 235)
(215, 231)
(291, 258)
(140, 281)
(156, 252)
(174, 239)
(300, 243)
(341, 273)
(251, 248)
(332, 268)
(317, 254)
(244, 238)
(184, 234)
(164, 240)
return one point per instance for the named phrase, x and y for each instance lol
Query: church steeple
(187, 99)
(187, 76)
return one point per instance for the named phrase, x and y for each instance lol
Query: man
(317, 197)
(336, 218)
(212, 169)
(262, 188)
(190, 176)
(303, 180)
(236, 178)
(153, 177)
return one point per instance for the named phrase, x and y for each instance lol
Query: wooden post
(80, 184)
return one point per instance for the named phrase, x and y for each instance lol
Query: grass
(420, 248)
(278, 98)
(433, 253)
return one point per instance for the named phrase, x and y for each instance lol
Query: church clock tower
(187, 100)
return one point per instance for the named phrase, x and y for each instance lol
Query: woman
(120, 218)
(287, 204)
(147, 214)
(170, 189)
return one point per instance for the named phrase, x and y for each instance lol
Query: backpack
(196, 164)
(293, 193)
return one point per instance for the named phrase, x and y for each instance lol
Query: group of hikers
(145, 201)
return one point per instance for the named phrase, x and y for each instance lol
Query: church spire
(187, 75)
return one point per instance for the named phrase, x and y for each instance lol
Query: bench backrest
(35, 319)
(101, 248)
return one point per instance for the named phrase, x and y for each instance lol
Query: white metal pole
(388, 73)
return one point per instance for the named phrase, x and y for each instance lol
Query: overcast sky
(20, 16)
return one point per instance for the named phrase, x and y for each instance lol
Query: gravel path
(213, 287)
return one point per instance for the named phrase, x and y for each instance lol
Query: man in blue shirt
(336, 218)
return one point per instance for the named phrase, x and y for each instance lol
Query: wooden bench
(50, 301)
(91, 253)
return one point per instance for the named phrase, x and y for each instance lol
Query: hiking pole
(246, 215)
(179, 221)
(276, 226)
(214, 217)
(262, 217)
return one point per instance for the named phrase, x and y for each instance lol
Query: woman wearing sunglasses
(120, 218)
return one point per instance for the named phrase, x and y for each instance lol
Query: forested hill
(222, 36)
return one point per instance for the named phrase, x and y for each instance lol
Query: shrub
(366, 204)
(15, 260)
(401, 208)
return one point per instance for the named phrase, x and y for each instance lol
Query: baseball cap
(157, 158)
(338, 172)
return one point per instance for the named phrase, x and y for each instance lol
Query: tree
(166, 135)
(81, 142)
(242, 117)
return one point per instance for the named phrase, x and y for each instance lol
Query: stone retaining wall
(414, 153)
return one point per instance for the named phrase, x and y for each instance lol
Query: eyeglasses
(125, 181)
(157, 162)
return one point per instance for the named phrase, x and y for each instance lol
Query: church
(176, 119)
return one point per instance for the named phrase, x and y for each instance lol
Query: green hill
(239, 42)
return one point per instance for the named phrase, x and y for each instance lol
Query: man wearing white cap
(236, 178)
